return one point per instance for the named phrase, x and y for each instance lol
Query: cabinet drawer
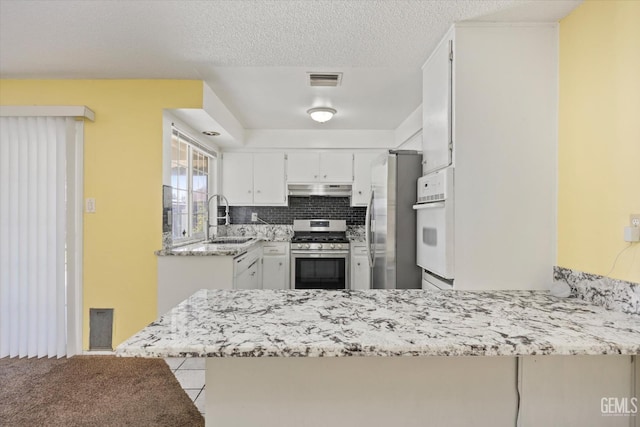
(271, 249)
(360, 250)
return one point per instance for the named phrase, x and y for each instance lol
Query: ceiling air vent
(325, 79)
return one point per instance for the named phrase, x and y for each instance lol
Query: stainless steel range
(319, 254)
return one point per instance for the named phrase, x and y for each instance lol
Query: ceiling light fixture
(321, 114)
(211, 133)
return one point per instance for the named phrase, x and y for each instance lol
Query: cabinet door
(437, 107)
(249, 278)
(274, 272)
(336, 167)
(237, 178)
(303, 167)
(242, 280)
(362, 178)
(360, 272)
(254, 275)
(268, 179)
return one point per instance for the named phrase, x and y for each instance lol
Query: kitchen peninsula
(290, 358)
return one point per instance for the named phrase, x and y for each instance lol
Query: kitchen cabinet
(360, 272)
(275, 265)
(249, 278)
(490, 109)
(247, 270)
(362, 177)
(437, 110)
(305, 167)
(251, 179)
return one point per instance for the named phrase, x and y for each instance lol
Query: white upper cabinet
(254, 178)
(305, 167)
(237, 178)
(336, 167)
(268, 179)
(362, 177)
(437, 109)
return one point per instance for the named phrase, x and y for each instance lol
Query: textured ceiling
(219, 41)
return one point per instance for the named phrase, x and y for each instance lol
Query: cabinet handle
(358, 263)
(258, 191)
(325, 176)
(249, 191)
(315, 176)
(280, 264)
(359, 192)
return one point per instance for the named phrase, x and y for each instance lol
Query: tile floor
(190, 375)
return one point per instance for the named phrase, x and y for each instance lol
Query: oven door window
(320, 273)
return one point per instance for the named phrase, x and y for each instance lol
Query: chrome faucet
(225, 217)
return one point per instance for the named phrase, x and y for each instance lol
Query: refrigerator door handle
(367, 231)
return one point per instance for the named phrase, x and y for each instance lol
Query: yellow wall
(123, 171)
(599, 137)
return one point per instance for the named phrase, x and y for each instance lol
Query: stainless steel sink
(230, 240)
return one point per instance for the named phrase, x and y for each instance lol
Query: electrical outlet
(90, 205)
(634, 219)
(254, 216)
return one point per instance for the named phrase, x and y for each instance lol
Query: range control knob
(307, 246)
(299, 245)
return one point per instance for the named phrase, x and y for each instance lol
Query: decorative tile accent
(271, 232)
(314, 207)
(392, 322)
(614, 294)
(355, 233)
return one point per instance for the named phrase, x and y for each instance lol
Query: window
(192, 174)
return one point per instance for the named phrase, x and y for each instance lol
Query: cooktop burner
(320, 237)
(319, 231)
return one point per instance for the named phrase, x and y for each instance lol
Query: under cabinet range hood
(327, 190)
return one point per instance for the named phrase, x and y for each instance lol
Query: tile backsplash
(313, 207)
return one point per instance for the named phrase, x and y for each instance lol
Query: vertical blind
(33, 319)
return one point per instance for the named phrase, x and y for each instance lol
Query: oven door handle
(428, 206)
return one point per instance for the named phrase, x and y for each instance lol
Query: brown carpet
(93, 391)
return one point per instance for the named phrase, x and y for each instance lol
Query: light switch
(90, 205)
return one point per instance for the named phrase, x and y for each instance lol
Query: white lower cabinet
(247, 271)
(360, 272)
(275, 265)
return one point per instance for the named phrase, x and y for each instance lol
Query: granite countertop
(318, 323)
(266, 233)
(209, 249)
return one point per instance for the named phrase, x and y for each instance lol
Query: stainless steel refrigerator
(391, 221)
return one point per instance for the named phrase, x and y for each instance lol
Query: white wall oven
(319, 254)
(435, 223)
